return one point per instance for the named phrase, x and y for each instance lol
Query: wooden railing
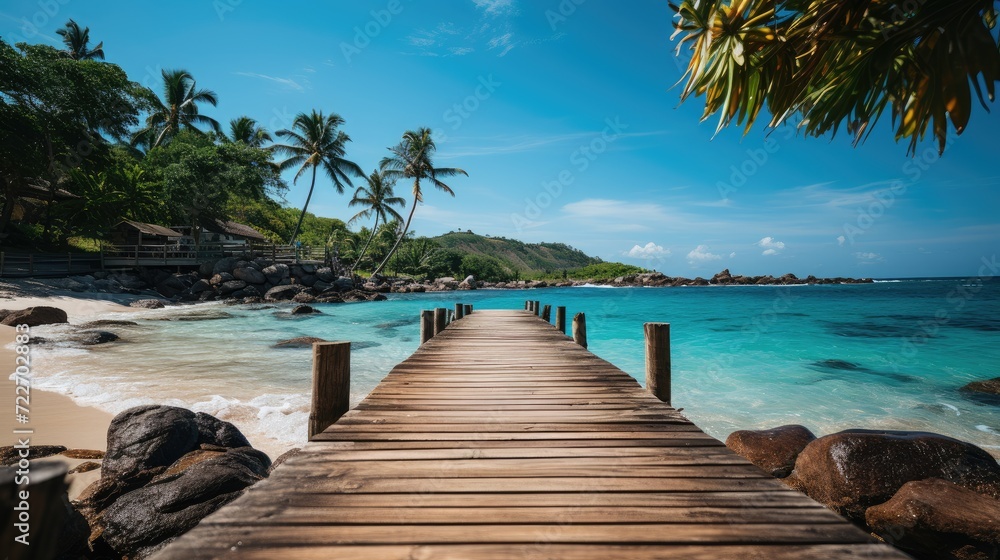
(175, 254)
(14, 265)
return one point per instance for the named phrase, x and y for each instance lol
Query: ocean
(888, 355)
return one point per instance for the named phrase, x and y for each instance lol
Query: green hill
(524, 257)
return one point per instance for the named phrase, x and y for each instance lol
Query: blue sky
(565, 116)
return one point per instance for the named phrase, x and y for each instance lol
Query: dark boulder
(93, 338)
(147, 304)
(329, 296)
(83, 454)
(212, 431)
(86, 466)
(221, 278)
(853, 470)
(149, 436)
(108, 323)
(35, 316)
(231, 286)
(200, 286)
(250, 275)
(170, 286)
(284, 293)
(9, 455)
(144, 520)
(298, 342)
(304, 310)
(986, 391)
(773, 450)
(276, 273)
(934, 518)
(304, 297)
(226, 264)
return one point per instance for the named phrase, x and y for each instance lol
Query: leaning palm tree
(377, 198)
(412, 158)
(828, 64)
(247, 130)
(177, 110)
(315, 143)
(76, 41)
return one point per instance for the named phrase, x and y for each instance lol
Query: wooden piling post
(658, 360)
(440, 319)
(331, 390)
(459, 311)
(580, 329)
(561, 318)
(527, 305)
(451, 316)
(468, 309)
(43, 495)
(426, 325)
(547, 313)
(537, 307)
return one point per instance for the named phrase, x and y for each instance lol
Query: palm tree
(246, 130)
(828, 64)
(76, 42)
(177, 110)
(316, 142)
(412, 158)
(377, 198)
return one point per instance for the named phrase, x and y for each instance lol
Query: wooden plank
(502, 438)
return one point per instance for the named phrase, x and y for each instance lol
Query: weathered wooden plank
(502, 438)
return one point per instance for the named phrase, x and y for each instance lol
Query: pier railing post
(580, 329)
(527, 305)
(459, 311)
(561, 318)
(331, 389)
(426, 325)
(658, 360)
(440, 319)
(536, 306)
(467, 310)
(547, 313)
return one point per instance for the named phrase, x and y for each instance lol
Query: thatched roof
(233, 228)
(150, 229)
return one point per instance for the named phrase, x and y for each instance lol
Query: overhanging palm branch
(77, 40)
(833, 64)
(177, 110)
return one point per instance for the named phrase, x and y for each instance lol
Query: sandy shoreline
(54, 418)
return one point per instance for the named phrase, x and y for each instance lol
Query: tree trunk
(302, 216)
(365, 248)
(406, 228)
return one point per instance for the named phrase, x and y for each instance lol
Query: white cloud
(421, 41)
(649, 251)
(496, 7)
(732, 255)
(770, 245)
(460, 51)
(868, 258)
(700, 255)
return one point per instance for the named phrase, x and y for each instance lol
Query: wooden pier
(502, 438)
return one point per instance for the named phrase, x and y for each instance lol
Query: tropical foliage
(826, 64)
(413, 158)
(178, 110)
(376, 199)
(316, 143)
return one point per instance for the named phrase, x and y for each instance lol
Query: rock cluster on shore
(928, 494)
(165, 469)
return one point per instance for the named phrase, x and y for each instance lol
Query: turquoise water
(885, 355)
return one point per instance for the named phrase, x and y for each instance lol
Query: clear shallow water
(888, 355)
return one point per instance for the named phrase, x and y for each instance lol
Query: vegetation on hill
(527, 258)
